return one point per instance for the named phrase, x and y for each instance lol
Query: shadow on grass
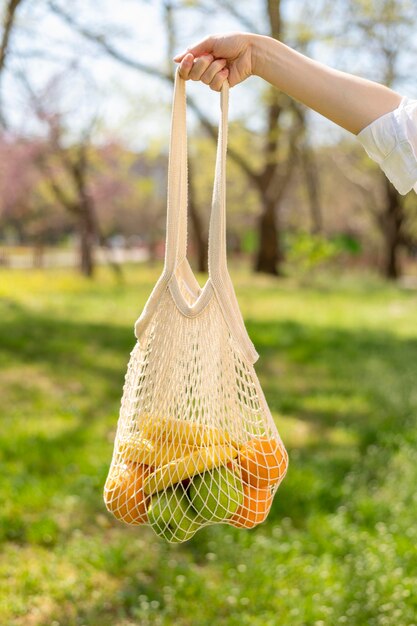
(328, 378)
(352, 377)
(63, 345)
(84, 364)
(358, 383)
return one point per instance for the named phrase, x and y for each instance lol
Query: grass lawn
(338, 364)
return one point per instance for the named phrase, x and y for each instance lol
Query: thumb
(202, 47)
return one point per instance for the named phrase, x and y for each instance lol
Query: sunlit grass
(338, 364)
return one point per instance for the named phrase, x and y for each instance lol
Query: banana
(195, 463)
(140, 450)
(185, 431)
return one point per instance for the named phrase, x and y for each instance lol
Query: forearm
(347, 100)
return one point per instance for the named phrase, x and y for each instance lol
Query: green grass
(338, 364)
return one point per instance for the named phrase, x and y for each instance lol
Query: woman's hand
(347, 100)
(218, 57)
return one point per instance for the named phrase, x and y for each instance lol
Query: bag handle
(176, 230)
(177, 198)
(177, 201)
(217, 251)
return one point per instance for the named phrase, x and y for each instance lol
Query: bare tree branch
(8, 23)
(282, 178)
(101, 41)
(231, 8)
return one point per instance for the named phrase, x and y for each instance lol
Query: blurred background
(323, 255)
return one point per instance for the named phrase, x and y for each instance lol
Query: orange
(254, 509)
(263, 462)
(124, 495)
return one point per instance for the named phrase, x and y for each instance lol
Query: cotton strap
(176, 240)
(176, 266)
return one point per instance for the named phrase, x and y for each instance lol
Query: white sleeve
(391, 141)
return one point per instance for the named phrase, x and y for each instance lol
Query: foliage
(308, 252)
(338, 366)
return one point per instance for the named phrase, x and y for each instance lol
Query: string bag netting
(196, 443)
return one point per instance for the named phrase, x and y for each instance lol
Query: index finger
(203, 47)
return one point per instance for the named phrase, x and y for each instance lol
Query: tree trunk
(311, 177)
(269, 255)
(200, 241)
(87, 234)
(392, 266)
(391, 221)
(8, 23)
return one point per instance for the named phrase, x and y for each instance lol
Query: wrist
(260, 50)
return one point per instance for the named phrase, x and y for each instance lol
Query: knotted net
(196, 443)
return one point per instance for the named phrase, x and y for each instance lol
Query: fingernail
(177, 56)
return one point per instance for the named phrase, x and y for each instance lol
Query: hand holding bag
(196, 443)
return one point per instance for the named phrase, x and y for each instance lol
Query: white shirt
(391, 141)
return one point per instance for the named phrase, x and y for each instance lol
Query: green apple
(217, 494)
(172, 516)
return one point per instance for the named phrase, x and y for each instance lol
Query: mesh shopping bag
(196, 443)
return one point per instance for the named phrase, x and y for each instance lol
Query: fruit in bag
(171, 515)
(262, 462)
(191, 397)
(138, 449)
(180, 430)
(217, 494)
(187, 467)
(254, 508)
(124, 495)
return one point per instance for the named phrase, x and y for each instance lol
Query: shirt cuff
(386, 141)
